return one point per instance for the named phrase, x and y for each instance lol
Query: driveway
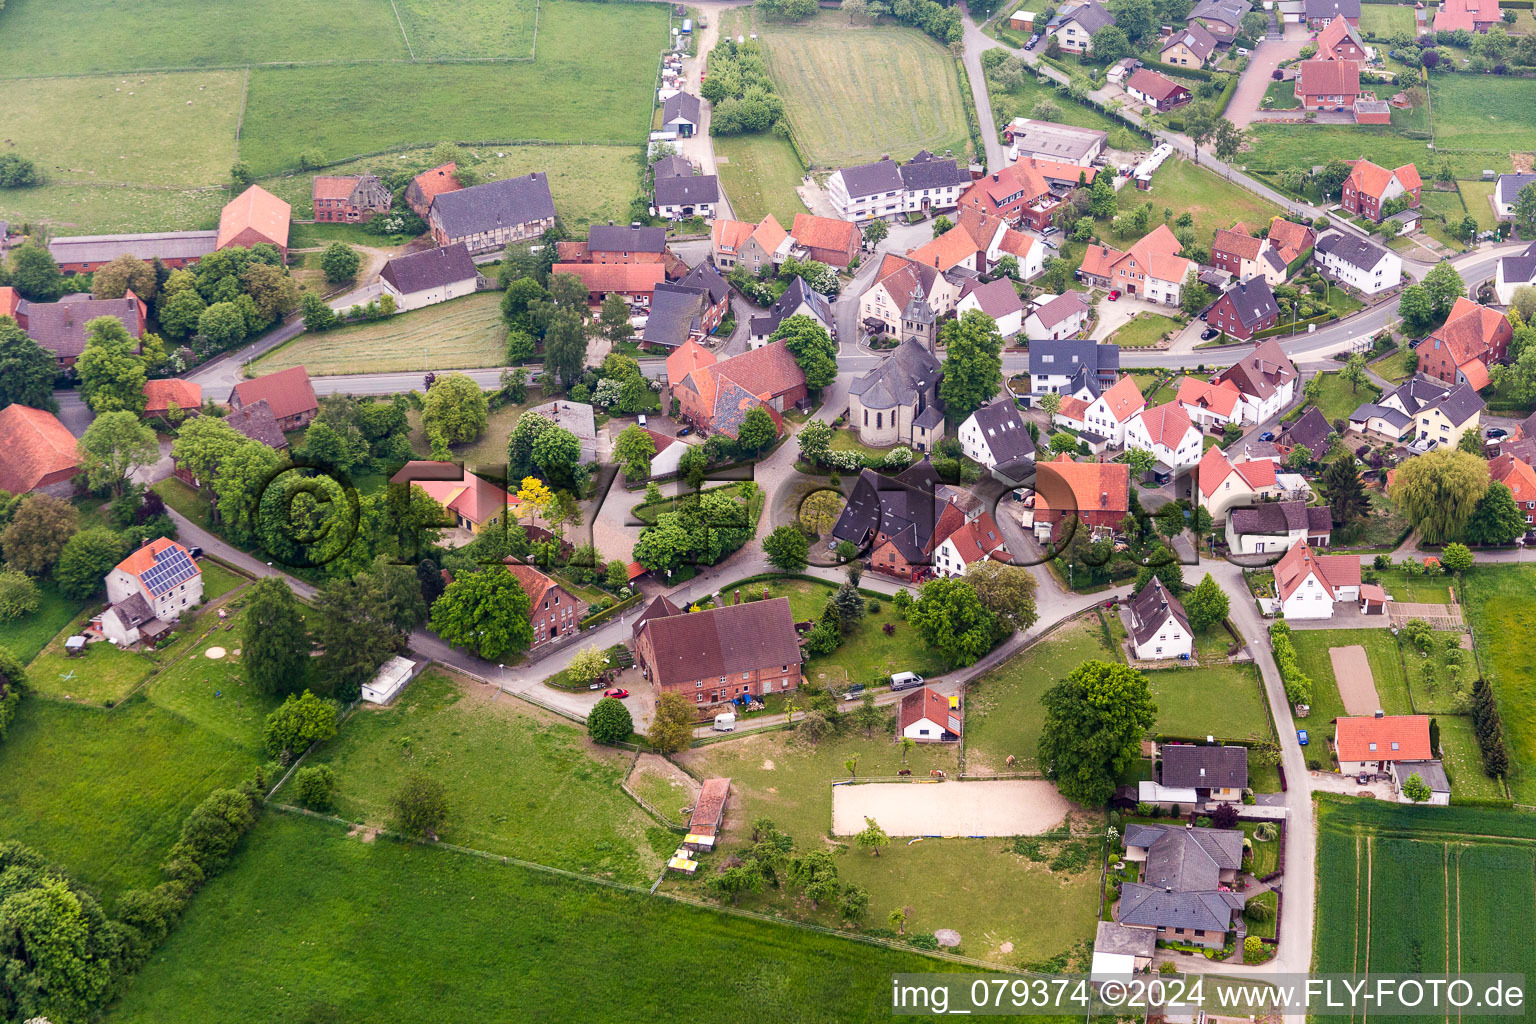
(1267, 56)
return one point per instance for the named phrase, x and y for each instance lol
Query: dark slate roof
(1509, 187)
(1228, 12)
(674, 315)
(1459, 402)
(1059, 308)
(1522, 265)
(680, 105)
(255, 421)
(1253, 300)
(482, 208)
(798, 292)
(928, 171)
(1004, 431)
(1151, 907)
(1116, 938)
(872, 179)
(706, 280)
(1070, 353)
(1186, 859)
(672, 167)
(1357, 252)
(722, 641)
(1193, 766)
(1151, 608)
(1367, 410)
(1333, 9)
(133, 611)
(624, 238)
(906, 508)
(689, 191)
(430, 268)
(910, 370)
(861, 515)
(1311, 431)
(1278, 518)
(1091, 15)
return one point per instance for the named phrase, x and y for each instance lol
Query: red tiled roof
(949, 250)
(1150, 83)
(977, 539)
(688, 356)
(1328, 78)
(145, 559)
(1166, 424)
(633, 278)
(769, 233)
(824, 232)
(1221, 397)
(1082, 486)
(1124, 399)
(1239, 243)
(1100, 260)
(456, 489)
(1356, 736)
(720, 641)
(994, 192)
(258, 210)
(1466, 14)
(709, 808)
(288, 392)
(1470, 333)
(437, 181)
(333, 187)
(1332, 571)
(925, 703)
(1257, 472)
(1060, 171)
(159, 393)
(36, 445)
(1072, 408)
(10, 301)
(1372, 179)
(534, 583)
(1515, 474)
(1212, 470)
(1289, 237)
(764, 372)
(728, 235)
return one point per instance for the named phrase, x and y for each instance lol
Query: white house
(995, 435)
(926, 717)
(1358, 263)
(1167, 433)
(390, 680)
(1266, 378)
(1074, 25)
(150, 589)
(1056, 316)
(885, 189)
(1224, 484)
(976, 541)
(1210, 404)
(1072, 366)
(669, 455)
(1431, 773)
(1307, 585)
(1159, 627)
(1373, 743)
(997, 299)
(1514, 272)
(1507, 192)
(681, 114)
(1275, 526)
(430, 276)
(1109, 414)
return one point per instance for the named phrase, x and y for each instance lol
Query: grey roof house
(1310, 432)
(682, 113)
(578, 418)
(693, 195)
(1183, 893)
(1204, 767)
(430, 276)
(873, 179)
(799, 299)
(488, 216)
(1083, 362)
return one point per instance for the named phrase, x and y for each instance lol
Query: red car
(1114, 295)
(617, 691)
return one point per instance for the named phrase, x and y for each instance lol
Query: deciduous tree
(1496, 519)
(1438, 491)
(113, 447)
(973, 367)
(274, 645)
(114, 279)
(300, 720)
(26, 369)
(419, 807)
(951, 619)
(1206, 605)
(609, 722)
(454, 409)
(340, 262)
(1094, 722)
(787, 548)
(757, 431)
(485, 612)
(86, 559)
(1007, 591)
(37, 533)
(634, 451)
(111, 376)
(813, 349)
(873, 837)
(672, 726)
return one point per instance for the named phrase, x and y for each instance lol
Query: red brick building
(1462, 349)
(428, 185)
(352, 199)
(717, 396)
(1245, 308)
(255, 217)
(40, 452)
(1098, 493)
(1019, 193)
(1328, 84)
(553, 611)
(1370, 187)
(719, 654)
(831, 241)
(287, 393)
(610, 243)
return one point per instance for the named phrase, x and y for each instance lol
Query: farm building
(40, 452)
(926, 717)
(487, 217)
(430, 276)
(288, 393)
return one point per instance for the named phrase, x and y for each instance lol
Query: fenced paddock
(1015, 807)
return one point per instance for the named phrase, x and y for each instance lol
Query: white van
(725, 722)
(905, 680)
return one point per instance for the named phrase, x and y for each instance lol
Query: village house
(428, 185)
(1370, 743)
(713, 301)
(1159, 629)
(996, 438)
(1243, 256)
(349, 199)
(681, 114)
(430, 276)
(1361, 265)
(287, 392)
(1097, 493)
(1341, 41)
(1506, 192)
(577, 417)
(634, 281)
(799, 299)
(1214, 772)
(1072, 366)
(40, 452)
(1290, 240)
(898, 401)
(757, 248)
(1319, 13)
(1222, 18)
(255, 217)
(726, 238)
(1274, 526)
(1426, 410)
(672, 166)
(553, 611)
(995, 239)
(1026, 193)
(161, 394)
(1054, 317)
(1191, 47)
(1074, 25)
(926, 717)
(60, 326)
(668, 460)
(933, 183)
(1245, 309)
(1210, 405)
(1224, 484)
(1519, 476)
(979, 540)
(1370, 187)
(1186, 894)
(1156, 91)
(1152, 269)
(474, 504)
(1467, 16)
(1057, 143)
(872, 191)
(1105, 417)
(1310, 431)
(149, 590)
(489, 216)
(897, 523)
(834, 242)
(1514, 272)
(718, 654)
(625, 243)
(716, 396)
(256, 422)
(1328, 85)
(1167, 434)
(1266, 378)
(1308, 585)
(81, 254)
(680, 197)
(908, 297)
(998, 299)
(1471, 340)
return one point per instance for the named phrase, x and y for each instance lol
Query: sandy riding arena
(1356, 684)
(1015, 807)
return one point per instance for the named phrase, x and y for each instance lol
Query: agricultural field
(1278, 146)
(1399, 889)
(1213, 201)
(84, 209)
(1504, 623)
(521, 783)
(470, 28)
(1484, 112)
(460, 334)
(759, 174)
(944, 883)
(853, 94)
(268, 942)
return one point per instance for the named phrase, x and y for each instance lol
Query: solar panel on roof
(172, 566)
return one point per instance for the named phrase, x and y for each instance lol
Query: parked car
(1208, 333)
(1032, 41)
(1048, 232)
(684, 431)
(1114, 295)
(1268, 435)
(905, 680)
(617, 691)
(1301, 737)
(1493, 432)
(1242, 51)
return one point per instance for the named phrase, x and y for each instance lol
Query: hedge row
(1299, 325)
(607, 613)
(1202, 74)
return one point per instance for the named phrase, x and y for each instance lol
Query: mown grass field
(469, 28)
(1143, 331)
(1213, 700)
(853, 94)
(194, 115)
(46, 37)
(106, 209)
(459, 334)
(520, 783)
(278, 936)
(1008, 104)
(948, 883)
(102, 675)
(1278, 146)
(1213, 201)
(1476, 196)
(1312, 646)
(1337, 399)
(1503, 619)
(26, 636)
(1484, 112)
(759, 174)
(1386, 19)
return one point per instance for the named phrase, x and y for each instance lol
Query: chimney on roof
(765, 593)
(1210, 740)
(738, 596)
(1379, 714)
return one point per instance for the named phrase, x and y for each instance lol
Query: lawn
(1217, 699)
(1278, 146)
(1213, 201)
(1336, 399)
(1143, 331)
(218, 580)
(1463, 760)
(949, 883)
(488, 452)
(1477, 197)
(853, 94)
(1503, 617)
(103, 675)
(1381, 652)
(49, 37)
(759, 174)
(1392, 367)
(459, 334)
(1484, 112)
(1384, 528)
(195, 117)
(520, 782)
(1282, 96)
(866, 655)
(1002, 709)
(1386, 20)
(466, 938)
(108, 209)
(846, 439)
(1020, 102)
(27, 636)
(591, 83)
(474, 28)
